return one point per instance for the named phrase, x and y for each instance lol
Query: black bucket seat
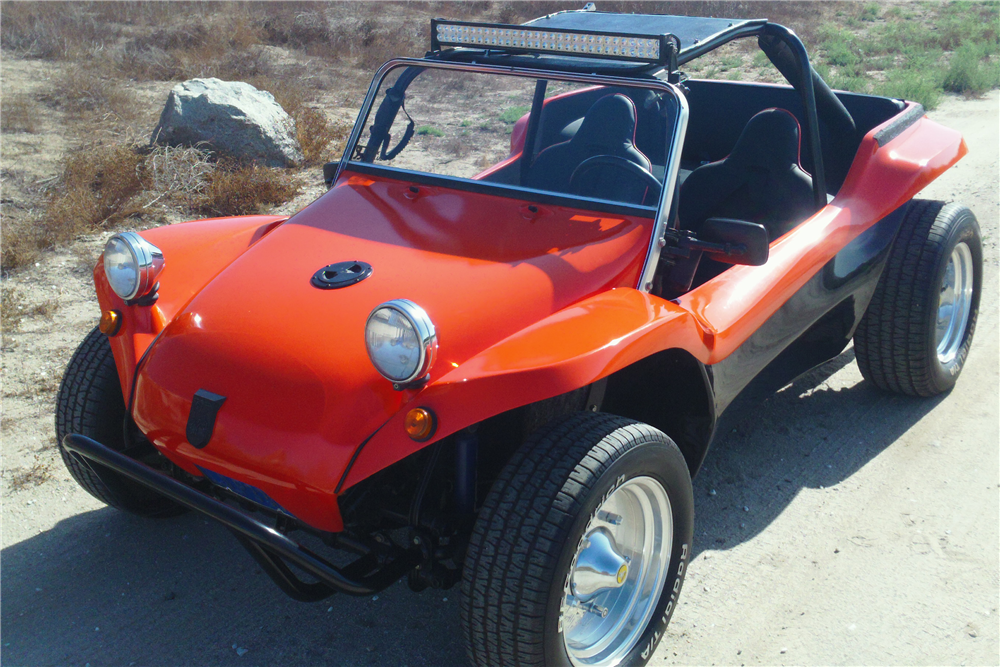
(760, 181)
(608, 129)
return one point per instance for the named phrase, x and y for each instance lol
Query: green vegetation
(916, 50)
(511, 115)
(730, 61)
(954, 47)
(971, 71)
(425, 130)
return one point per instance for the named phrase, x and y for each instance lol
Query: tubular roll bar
(805, 82)
(807, 90)
(270, 548)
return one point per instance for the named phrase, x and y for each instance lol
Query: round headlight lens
(121, 266)
(401, 340)
(131, 265)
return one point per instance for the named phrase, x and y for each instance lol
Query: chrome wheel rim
(954, 304)
(617, 574)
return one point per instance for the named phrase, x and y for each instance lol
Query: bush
(55, 30)
(243, 190)
(99, 187)
(921, 84)
(17, 113)
(513, 114)
(11, 307)
(84, 91)
(20, 243)
(319, 138)
(971, 72)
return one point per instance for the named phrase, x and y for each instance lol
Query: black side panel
(816, 324)
(721, 109)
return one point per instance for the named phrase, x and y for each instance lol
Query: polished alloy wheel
(954, 303)
(618, 573)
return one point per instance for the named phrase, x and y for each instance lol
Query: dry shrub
(235, 189)
(300, 27)
(55, 30)
(288, 91)
(11, 307)
(100, 186)
(377, 41)
(84, 91)
(18, 113)
(46, 309)
(175, 173)
(318, 136)
(109, 176)
(223, 44)
(23, 478)
(457, 146)
(19, 243)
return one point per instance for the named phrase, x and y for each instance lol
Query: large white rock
(229, 117)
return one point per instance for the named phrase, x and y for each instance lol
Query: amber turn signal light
(420, 424)
(111, 322)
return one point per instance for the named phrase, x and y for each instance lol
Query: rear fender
(570, 349)
(194, 253)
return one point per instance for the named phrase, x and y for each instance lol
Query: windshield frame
(661, 213)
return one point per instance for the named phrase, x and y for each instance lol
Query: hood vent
(341, 274)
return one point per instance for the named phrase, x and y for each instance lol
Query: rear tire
(90, 403)
(525, 599)
(916, 333)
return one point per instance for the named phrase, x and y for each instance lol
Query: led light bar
(524, 39)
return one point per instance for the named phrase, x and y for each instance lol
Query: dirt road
(836, 525)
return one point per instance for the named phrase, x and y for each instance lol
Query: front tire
(916, 333)
(90, 403)
(580, 549)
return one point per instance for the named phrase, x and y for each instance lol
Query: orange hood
(301, 393)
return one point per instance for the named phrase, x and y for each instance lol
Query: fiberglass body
(529, 303)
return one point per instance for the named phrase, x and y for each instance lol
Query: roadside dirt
(835, 524)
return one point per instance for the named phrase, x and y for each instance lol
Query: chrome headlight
(131, 264)
(401, 341)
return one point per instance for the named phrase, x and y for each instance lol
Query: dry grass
(319, 137)
(11, 307)
(20, 244)
(100, 184)
(55, 30)
(19, 479)
(104, 185)
(84, 91)
(18, 113)
(175, 174)
(243, 190)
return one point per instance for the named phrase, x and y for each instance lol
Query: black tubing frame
(272, 549)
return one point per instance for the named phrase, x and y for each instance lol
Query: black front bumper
(273, 550)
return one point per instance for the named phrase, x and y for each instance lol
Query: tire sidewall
(664, 463)
(962, 228)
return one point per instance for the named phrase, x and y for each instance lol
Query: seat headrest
(609, 123)
(770, 141)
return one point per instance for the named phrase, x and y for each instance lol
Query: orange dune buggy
(495, 351)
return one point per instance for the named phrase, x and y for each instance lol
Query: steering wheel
(620, 163)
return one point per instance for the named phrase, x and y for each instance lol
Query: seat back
(608, 128)
(760, 181)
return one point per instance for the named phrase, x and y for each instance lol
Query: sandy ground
(836, 524)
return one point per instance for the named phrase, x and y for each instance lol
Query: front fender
(569, 349)
(194, 253)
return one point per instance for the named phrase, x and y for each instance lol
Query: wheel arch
(585, 345)
(672, 391)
